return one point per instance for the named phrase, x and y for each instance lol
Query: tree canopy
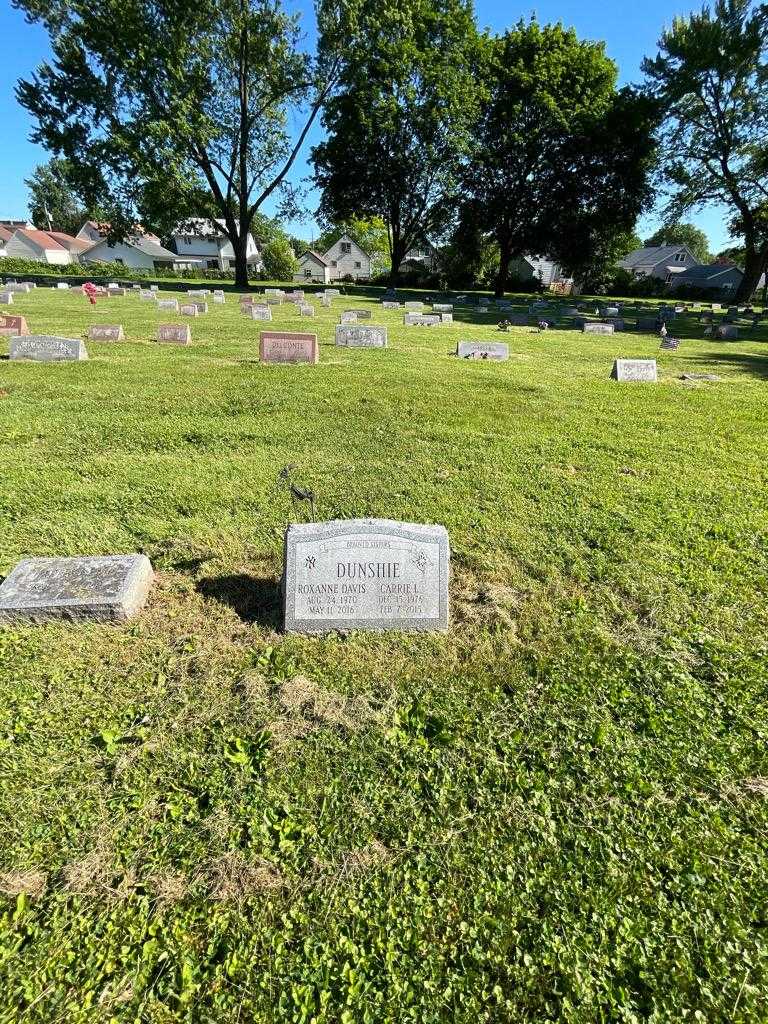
(171, 110)
(397, 126)
(711, 75)
(560, 160)
(53, 203)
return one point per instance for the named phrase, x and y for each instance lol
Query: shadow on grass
(253, 600)
(755, 365)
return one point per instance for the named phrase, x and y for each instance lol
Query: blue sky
(630, 31)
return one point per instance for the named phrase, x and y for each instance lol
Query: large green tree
(54, 205)
(560, 160)
(683, 234)
(711, 75)
(169, 110)
(397, 126)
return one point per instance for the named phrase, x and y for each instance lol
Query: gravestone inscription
(110, 588)
(493, 350)
(369, 574)
(259, 312)
(282, 347)
(46, 348)
(596, 328)
(363, 336)
(634, 370)
(174, 334)
(106, 332)
(13, 325)
(421, 319)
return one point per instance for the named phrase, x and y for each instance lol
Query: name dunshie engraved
(368, 570)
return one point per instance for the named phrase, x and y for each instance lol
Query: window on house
(358, 265)
(307, 273)
(346, 247)
(333, 263)
(668, 278)
(680, 257)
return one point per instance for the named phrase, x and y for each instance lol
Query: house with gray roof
(664, 262)
(723, 278)
(140, 251)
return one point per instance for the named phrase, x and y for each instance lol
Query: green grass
(555, 812)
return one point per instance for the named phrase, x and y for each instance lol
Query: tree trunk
(754, 264)
(240, 247)
(398, 255)
(502, 274)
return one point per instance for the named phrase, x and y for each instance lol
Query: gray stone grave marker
(492, 350)
(362, 336)
(47, 348)
(670, 344)
(256, 312)
(368, 574)
(727, 331)
(596, 328)
(643, 370)
(109, 588)
(169, 304)
(188, 309)
(6, 298)
(421, 319)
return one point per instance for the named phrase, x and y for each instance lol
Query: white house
(539, 268)
(345, 259)
(313, 268)
(422, 256)
(202, 243)
(30, 244)
(141, 252)
(6, 234)
(660, 261)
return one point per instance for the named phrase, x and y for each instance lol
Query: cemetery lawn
(557, 811)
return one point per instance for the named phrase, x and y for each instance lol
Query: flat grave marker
(421, 319)
(597, 328)
(362, 336)
(48, 348)
(492, 350)
(640, 370)
(670, 344)
(109, 588)
(367, 574)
